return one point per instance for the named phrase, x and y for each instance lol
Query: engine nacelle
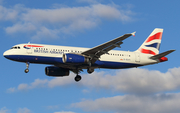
(56, 71)
(74, 58)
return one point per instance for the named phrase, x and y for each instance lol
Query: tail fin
(152, 43)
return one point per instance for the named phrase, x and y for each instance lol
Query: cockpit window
(15, 47)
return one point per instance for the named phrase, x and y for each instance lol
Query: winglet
(133, 33)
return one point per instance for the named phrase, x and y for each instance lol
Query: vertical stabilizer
(152, 44)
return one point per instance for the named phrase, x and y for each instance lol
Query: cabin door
(29, 49)
(137, 57)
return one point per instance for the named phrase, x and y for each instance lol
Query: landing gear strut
(27, 67)
(78, 77)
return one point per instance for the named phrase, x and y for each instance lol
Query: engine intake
(74, 58)
(56, 71)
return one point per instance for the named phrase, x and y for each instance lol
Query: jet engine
(74, 58)
(56, 71)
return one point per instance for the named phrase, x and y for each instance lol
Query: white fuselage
(65, 59)
(49, 54)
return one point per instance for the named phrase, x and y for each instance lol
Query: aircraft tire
(90, 70)
(77, 78)
(26, 70)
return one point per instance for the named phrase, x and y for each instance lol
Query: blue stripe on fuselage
(116, 65)
(56, 60)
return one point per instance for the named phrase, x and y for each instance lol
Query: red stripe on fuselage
(32, 46)
(155, 36)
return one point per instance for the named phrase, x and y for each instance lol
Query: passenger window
(18, 47)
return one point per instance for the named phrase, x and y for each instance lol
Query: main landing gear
(77, 78)
(90, 70)
(27, 67)
(77, 71)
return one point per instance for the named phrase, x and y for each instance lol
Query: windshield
(15, 47)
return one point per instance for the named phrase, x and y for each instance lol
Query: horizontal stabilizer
(158, 56)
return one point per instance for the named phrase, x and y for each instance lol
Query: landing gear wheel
(26, 70)
(90, 70)
(77, 78)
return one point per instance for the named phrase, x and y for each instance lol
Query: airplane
(64, 59)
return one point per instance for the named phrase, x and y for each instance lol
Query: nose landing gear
(27, 67)
(26, 70)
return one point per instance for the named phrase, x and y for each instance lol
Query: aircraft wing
(99, 50)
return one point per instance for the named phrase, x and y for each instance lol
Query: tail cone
(163, 59)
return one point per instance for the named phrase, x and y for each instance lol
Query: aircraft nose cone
(7, 54)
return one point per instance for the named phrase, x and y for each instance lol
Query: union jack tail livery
(152, 44)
